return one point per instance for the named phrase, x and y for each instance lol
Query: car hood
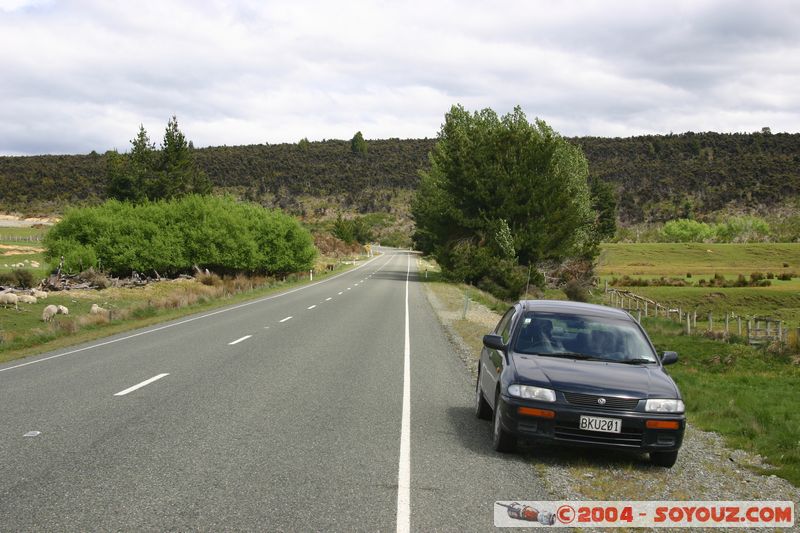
(596, 377)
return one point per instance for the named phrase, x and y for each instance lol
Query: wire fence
(753, 329)
(21, 238)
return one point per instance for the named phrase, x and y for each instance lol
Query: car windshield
(583, 337)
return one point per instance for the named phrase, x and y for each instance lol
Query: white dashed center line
(285, 319)
(341, 293)
(328, 299)
(237, 341)
(140, 385)
(311, 307)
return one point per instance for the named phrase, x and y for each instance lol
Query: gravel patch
(706, 469)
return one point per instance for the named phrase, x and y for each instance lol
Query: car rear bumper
(564, 427)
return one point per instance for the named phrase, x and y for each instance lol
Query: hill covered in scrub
(656, 177)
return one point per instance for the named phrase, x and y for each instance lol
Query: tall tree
(178, 175)
(358, 145)
(604, 202)
(131, 179)
(498, 186)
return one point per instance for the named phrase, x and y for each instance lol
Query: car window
(504, 326)
(506, 331)
(602, 338)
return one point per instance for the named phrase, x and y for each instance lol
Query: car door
(492, 361)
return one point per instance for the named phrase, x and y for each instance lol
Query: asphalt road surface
(339, 406)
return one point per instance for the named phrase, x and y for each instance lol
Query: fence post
(639, 319)
(740, 325)
(748, 330)
(645, 309)
(694, 319)
(710, 322)
(727, 332)
(780, 331)
(688, 324)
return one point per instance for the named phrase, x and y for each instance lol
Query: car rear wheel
(482, 408)
(502, 440)
(665, 459)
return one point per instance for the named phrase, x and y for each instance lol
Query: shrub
(786, 276)
(688, 274)
(756, 276)
(170, 237)
(20, 278)
(770, 275)
(576, 291)
(686, 230)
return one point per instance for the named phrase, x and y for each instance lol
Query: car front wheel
(502, 440)
(665, 459)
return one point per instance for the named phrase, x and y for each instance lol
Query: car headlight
(532, 393)
(658, 405)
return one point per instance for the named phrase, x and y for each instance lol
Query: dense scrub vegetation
(171, 236)
(662, 177)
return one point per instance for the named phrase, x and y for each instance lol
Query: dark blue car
(578, 374)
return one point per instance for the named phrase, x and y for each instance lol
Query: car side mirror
(668, 358)
(494, 342)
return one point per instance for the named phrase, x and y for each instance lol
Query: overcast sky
(77, 76)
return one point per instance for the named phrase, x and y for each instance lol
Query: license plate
(596, 423)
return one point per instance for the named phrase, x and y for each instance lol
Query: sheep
(49, 312)
(42, 295)
(7, 298)
(97, 310)
(62, 310)
(26, 299)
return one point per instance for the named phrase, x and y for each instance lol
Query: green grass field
(678, 259)
(780, 300)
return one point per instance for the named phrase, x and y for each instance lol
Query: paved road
(298, 426)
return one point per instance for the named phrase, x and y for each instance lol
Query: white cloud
(81, 75)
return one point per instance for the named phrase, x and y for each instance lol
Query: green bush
(172, 236)
(685, 230)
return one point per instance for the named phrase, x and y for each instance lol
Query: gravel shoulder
(706, 469)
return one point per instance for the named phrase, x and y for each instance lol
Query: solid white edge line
(167, 326)
(237, 341)
(310, 307)
(285, 319)
(404, 467)
(140, 385)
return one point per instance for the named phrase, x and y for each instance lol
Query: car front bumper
(564, 427)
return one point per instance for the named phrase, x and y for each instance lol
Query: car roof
(578, 308)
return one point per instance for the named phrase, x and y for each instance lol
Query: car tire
(502, 440)
(665, 459)
(482, 408)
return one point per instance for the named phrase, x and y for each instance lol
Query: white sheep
(49, 312)
(97, 310)
(42, 295)
(7, 298)
(26, 299)
(62, 310)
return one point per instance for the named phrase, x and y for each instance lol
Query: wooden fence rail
(756, 329)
